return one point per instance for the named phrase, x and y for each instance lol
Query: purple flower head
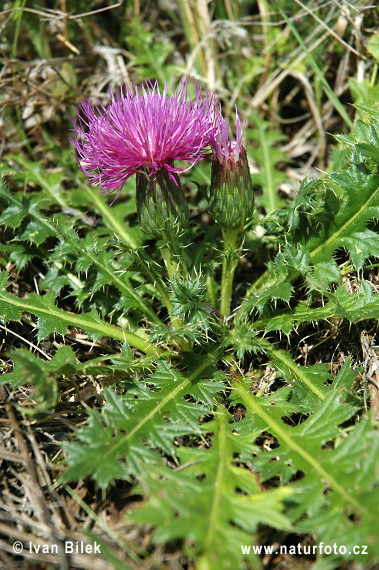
(223, 148)
(142, 129)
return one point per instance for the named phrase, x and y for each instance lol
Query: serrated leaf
(281, 290)
(52, 319)
(307, 450)
(348, 228)
(54, 281)
(360, 305)
(309, 382)
(339, 220)
(151, 415)
(85, 252)
(369, 150)
(225, 498)
(12, 216)
(353, 463)
(363, 304)
(204, 391)
(19, 254)
(364, 138)
(36, 232)
(19, 207)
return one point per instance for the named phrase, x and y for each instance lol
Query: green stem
(119, 230)
(112, 222)
(152, 274)
(252, 405)
(172, 253)
(173, 268)
(229, 265)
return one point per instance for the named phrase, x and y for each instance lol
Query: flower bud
(231, 193)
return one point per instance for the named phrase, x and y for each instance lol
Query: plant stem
(173, 268)
(229, 264)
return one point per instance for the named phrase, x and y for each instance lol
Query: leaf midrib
(106, 329)
(335, 236)
(218, 482)
(161, 404)
(254, 407)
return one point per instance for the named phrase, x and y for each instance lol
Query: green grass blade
(327, 89)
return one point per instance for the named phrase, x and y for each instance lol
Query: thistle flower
(231, 192)
(142, 129)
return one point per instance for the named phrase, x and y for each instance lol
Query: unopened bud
(232, 197)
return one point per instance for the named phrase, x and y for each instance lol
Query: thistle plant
(143, 132)
(217, 451)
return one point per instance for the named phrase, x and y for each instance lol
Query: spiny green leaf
(301, 446)
(277, 405)
(151, 415)
(360, 305)
(82, 252)
(188, 302)
(309, 383)
(51, 319)
(226, 499)
(306, 203)
(36, 232)
(12, 216)
(314, 453)
(320, 224)
(369, 150)
(363, 304)
(243, 340)
(364, 138)
(54, 281)
(19, 207)
(19, 254)
(348, 228)
(353, 462)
